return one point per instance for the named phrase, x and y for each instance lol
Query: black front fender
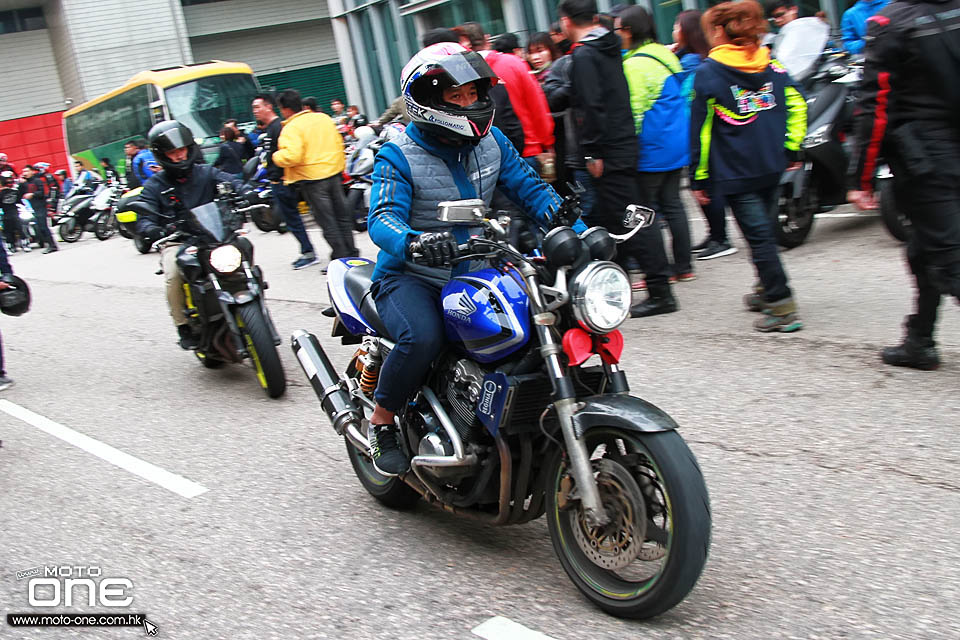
(627, 412)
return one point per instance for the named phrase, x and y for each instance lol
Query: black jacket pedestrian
(200, 188)
(558, 87)
(270, 143)
(505, 118)
(231, 157)
(601, 101)
(911, 85)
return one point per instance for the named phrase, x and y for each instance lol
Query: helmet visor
(461, 68)
(176, 138)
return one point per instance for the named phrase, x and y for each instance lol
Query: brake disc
(618, 543)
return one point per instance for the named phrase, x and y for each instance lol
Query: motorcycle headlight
(226, 259)
(601, 296)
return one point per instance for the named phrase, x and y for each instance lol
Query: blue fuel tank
(488, 312)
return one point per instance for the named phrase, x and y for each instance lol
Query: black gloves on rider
(434, 249)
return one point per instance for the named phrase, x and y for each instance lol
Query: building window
(450, 14)
(190, 3)
(22, 20)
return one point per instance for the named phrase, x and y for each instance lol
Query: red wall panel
(35, 139)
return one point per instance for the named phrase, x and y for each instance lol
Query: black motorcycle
(511, 425)
(226, 308)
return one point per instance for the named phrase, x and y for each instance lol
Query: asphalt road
(833, 479)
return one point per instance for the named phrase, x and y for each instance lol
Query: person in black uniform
(909, 98)
(182, 184)
(9, 197)
(33, 188)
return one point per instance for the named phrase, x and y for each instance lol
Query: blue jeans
(661, 192)
(410, 309)
(287, 204)
(755, 212)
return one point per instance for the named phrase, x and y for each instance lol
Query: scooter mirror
(461, 211)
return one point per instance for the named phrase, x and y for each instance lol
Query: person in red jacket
(525, 93)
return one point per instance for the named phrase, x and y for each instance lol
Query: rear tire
(122, 230)
(69, 230)
(390, 492)
(262, 350)
(795, 216)
(669, 496)
(893, 219)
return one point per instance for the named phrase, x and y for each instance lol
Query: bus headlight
(601, 296)
(226, 259)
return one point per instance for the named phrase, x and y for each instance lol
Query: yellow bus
(202, 96)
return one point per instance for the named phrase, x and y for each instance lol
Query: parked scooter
(88, 211)
(829, 79)
(357, 180)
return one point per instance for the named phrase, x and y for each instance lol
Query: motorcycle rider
(182, 184)
(908, 98)
(448, 152)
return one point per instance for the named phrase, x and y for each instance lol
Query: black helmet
(14, 301)
(167, 136)
(360, 121)
(7, 178)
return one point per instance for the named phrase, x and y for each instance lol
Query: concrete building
(61, 53)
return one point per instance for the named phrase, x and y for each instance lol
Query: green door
(324, 82)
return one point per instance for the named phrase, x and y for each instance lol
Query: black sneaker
(188, 341)
(386, 450)
(916, 353)
(697, 248)
(717, 250)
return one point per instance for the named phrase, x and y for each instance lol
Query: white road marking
(136, 466)
(500, 628)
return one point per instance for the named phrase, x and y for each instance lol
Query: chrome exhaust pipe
(334, 398)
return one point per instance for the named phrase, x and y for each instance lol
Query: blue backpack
(665, 137)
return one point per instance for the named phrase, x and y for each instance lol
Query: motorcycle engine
(463, 392)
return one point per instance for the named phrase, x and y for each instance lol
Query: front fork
(565, 404)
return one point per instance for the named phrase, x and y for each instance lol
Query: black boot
(188, 341)
(918, 353)
(661, 300)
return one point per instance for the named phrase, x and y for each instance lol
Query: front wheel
(262, 350)
(650, 555)
(265, 219)
(69, 230)
(357, 211)
(106, 226)
(795, 215)
(893, 219)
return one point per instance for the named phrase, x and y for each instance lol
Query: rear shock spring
(371, 370)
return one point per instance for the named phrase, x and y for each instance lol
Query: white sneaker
(5, 383)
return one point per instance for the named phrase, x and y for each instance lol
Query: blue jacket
(854, 23)
(141, 164)
(394, 191)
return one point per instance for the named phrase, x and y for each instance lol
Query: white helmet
(436, 68)
(364, 134)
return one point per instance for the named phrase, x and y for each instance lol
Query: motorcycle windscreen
(800, 46)
(208, 219)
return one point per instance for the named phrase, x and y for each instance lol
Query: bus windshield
(205, 104)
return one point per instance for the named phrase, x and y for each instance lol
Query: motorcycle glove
(435, 249)
(171, 229)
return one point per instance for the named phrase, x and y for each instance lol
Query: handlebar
(173, 236)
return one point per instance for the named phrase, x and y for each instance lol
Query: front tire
(106, 226)
(653, 488)
(262, 350)
(69, 230)
(356, 209)
(265, 219)
(893, 219)
(142, 244)
(795, 216)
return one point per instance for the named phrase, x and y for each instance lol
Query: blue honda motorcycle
(511, 424)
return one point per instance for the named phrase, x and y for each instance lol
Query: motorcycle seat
(357, 283)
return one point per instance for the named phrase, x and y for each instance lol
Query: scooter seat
(357, 282)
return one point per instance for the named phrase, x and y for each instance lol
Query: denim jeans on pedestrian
(716, 214)
(661, 192)
(329, 208)
(755, 212)
(286, 201)
(410, 309)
